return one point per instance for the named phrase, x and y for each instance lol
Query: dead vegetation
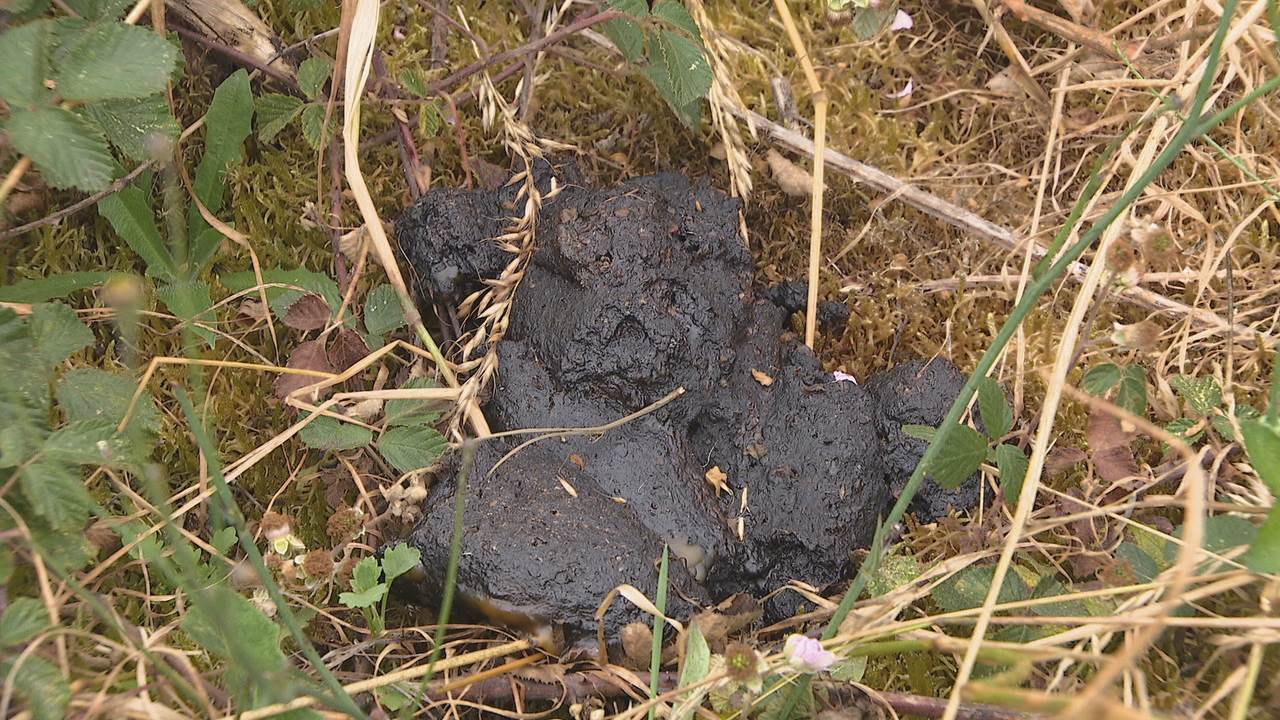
(988, 121)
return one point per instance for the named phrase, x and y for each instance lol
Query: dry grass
(922, 279)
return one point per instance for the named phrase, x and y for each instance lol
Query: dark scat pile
(633, 292)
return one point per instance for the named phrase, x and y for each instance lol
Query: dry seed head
(1139, 336)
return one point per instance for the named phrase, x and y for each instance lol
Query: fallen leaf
(347, 349)
(1062, 459)
(1109, 444)
(791, 178)
(309, 312)
(761, 378)
(717, 478)
(309, 355)
(576, 459)
(755, 450)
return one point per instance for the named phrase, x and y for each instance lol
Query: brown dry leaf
(1109, 443)
(793, 179)
(548, 674)
(309, 312)
(347, 349)
(717, 478)
(637, 645)
(718, 624)
(102, 537)
(576, 459)
(309, 355)
(354, 243)
(1062, 459)
(756, 450)
(491, 176)
(761, 377)
(252, 309)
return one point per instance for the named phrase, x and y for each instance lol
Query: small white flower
(902, 21)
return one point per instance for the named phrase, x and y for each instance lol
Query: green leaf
(413, 412)
(40, 290)
(39, 681)
(366, 574)
(326, 433)
(968, 588)
(634, 8)
(115, 60)
(1100, 378)
(223, 540)
(1144, 566)
(88, 442)
(868, 21)
(313, 120)
(412, 81)
(686, 67)
(1204, 394)
(190, 301)
(997, 416)
(56, 493)
(1180, 427)
(7, 564)
(95, 10)
(1050, 587)
(382, 311)
(675, 13)
(313, 73)
(1262, 444)
(1264, 554)
(1012, 464)
(627, 35)
(697, 658)
(430, 121)
(24, 57)
(229, 121)
(304, 5)
(226, 624)
(130, 216)
(89, 393)
(68, 151)
(203, 250)
(282, 298)
(964, 451)
(133, 124)
(275, 112)
(364, 598)
(1132, 395)
(411, 448)
(396, 696)
(920, 432)
(57, 331)
(24, 619)
(690, 114)
(399, 560)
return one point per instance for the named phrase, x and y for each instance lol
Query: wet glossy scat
(633, 292)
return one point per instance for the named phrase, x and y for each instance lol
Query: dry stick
(971, 222)
(819, 159)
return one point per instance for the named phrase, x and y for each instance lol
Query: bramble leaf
(382, 311)
(47, 692)
(68, 151)
(88, 442)
(412, 411)
(411, 448)
(22, 620)
(313, 73)
(627, 35)
(686, 67)
(56, 493)
(959, 457)
(131, 124)
(275, 112)
(115, 60)
(1100, 378)
(89, 393)
(57, 331)
(1132, 395)
(1013, 465)
(675, 13)
(326, 433)
(634, 8)
(997, 416)
(24, 57)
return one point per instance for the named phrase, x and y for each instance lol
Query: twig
(80, 205)
(240, 57)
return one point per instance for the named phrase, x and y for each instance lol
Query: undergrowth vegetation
(219, 403)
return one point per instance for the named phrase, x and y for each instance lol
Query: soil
(632, 292)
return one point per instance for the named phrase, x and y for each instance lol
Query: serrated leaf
(309, 312)
(229, 121)
(365, 574)
(282, 298)
(1132, 395)
(275, 112)
(22, 620)
(1262, 444)
(411, 448)
(115, 60)
(226, 624)
(313, 120)
(634, 8)
(627, 35)
(689, 114)
(90, 393)
(1181, 426)
(1204, 394)
(24, 57)
(412, 411)
(88, 442)
(429, 120)
(997, 416)
(1100, 378)
(40, 290)
(365, 598)
(326, 433)
(968, 588)
(68, 151)
(56, 493)
(38, 681)
(868, 21)
(191, 302)
(399, 560)
(223, 540)
(675, 13)
(963, 451)
(412, 81)
(133, 124)
(130, 216)
(313, 73)
(1013, 465)
(1144, 566)
(94, 10)
(1050, 587)
(382, 311)
(57, 331)
(686, 67)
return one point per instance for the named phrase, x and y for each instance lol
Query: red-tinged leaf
(309, 312)
(307, 356)
(347, 349)
(1109, 444)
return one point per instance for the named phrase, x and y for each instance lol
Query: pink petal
(844, 377)
(902, 21)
